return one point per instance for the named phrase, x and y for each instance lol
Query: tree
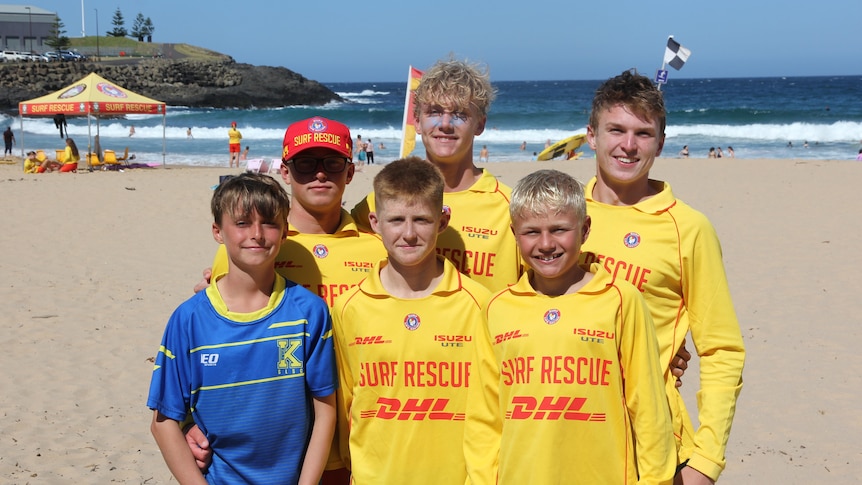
(148, 29)
(119, 25)
(138, 28)
(57, 35)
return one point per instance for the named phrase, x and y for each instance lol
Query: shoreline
(94, 264)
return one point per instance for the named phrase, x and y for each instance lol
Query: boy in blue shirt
(253, 347)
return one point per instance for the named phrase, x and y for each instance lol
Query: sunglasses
(311, 165)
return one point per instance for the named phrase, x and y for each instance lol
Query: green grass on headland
(112, 46)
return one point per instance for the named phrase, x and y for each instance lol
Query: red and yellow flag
(408, 137)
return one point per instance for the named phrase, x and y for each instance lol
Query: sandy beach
(93, 264)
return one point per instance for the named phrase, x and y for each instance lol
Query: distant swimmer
(684, 152)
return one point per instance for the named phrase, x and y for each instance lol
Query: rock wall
(194, 83)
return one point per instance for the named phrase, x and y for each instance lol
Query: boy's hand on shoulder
(203, 283)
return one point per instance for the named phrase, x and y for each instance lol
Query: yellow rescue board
(562, 148)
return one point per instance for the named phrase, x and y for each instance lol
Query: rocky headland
(216, 83)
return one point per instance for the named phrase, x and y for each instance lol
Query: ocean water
(757, 116)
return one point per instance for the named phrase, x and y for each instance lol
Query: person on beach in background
(450, 110)
(684, 152)
(131, 131)
(483, 154)
(534, 157)
(369, 151)
(234, 144)
(548, 143)
(672, 254)
(324, 250)
(553, 303)
(523, 146)
(711, 152)
(244, 155)
(71, 157)
(31, 163)
(359, 152)
(8, 140)
(272, 341)
(412, 300)
(718, 153)
(730, 153)
(189, 133)
(859, 156)
(381, 147)
(41, 164)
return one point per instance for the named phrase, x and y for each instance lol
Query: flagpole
(406, 104)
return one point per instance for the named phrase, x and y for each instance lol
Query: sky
(339, 41)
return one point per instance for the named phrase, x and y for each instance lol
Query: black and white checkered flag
(675, 54)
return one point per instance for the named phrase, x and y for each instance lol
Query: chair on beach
(93, 160)
(257, 165)
(125, 157)
(112, 159)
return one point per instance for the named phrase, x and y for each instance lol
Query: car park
(14, 56)
(32, 56)
(74, 56)
(61, 55)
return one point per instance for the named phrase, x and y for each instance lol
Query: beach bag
(361, 156)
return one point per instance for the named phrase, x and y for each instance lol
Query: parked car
(75, 56)
(62, 56)
(32, 56)
(14, 56)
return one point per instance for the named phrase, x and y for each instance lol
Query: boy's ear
(351, 169)
(444, 221)
(217, 234)
(372, 219)
(586, 229)
(591, 138)
(480, 128)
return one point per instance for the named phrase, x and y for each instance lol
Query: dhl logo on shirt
(374, 339)
(287, 264)
(433, 409)
(503, 337)
(551, 408)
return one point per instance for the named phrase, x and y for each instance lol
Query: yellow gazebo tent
(96, 96)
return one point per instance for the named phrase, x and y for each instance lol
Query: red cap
(233, 123)
(316, 132)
